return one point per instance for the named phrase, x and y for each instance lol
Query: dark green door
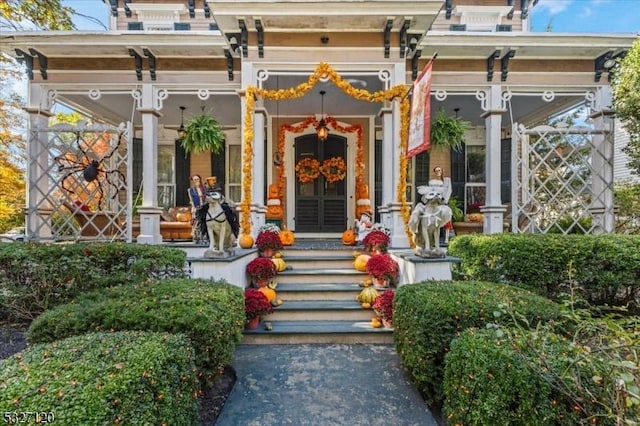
(321, 206)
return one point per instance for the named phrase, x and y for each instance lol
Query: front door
(321, 205)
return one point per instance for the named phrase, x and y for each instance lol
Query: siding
(621, 170)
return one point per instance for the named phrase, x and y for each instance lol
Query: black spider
(90, 169)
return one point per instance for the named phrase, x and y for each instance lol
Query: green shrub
(104, 378)
(520, 377)
(428, 316)
(605, 267)
(36, 277)
(210, 313)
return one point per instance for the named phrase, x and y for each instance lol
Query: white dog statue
(427, 217)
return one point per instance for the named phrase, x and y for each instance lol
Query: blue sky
(571, 16)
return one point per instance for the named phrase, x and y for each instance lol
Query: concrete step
(332, 261)
(315, 291)
(321, 310)
(298, 332)
(320, 275)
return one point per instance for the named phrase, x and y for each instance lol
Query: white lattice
(78, 185)
(562, 179)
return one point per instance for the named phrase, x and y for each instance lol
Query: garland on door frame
(326, 72)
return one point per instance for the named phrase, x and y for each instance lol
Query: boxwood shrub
(35, 277)
(606, 268)
(211, 314)
(131, 378)
(429, 315)
(532, 378)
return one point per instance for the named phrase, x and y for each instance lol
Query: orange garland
(322, 71)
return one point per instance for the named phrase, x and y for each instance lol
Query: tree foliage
(42, 14)
(626, 93)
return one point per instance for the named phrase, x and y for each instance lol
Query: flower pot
(380, 282)
(260, 282)
(267, 253)
(252, 323)
(387, 323)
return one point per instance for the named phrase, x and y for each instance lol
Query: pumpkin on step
(287, 237)
(269, 293)
(361, 262)
(368, 295)
(349, 237)
(246, 241)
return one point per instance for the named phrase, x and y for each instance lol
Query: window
(166, 176)
(181, 26)
(235, 173)
(135, 26)
(475, 186)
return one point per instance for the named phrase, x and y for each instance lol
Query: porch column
(39, 211)
(258, 209)
(602, 162)
(149, 211)
(386, 116)
(493, 209)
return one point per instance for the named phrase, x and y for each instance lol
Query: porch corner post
(493, 209)
(36, 212)
(149, 211)
(602, 207)
(386, 115)
(258, 209)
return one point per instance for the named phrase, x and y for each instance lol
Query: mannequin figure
(197, 194)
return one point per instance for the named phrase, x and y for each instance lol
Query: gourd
(368, 295)
(268, 292)
(376, 323)
(366, 305)
(349, 237)
(361, 262)
(246, 241)
(281, 265)
(287, 237)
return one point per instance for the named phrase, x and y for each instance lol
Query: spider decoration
(91, 170)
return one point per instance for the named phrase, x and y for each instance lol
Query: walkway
(322, 385)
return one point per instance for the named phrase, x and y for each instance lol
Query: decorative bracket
(511, 12)
(114, 7)
(207, 10)
(524, 6)
(42, 60)
(387, 37)
(127, 11)
(152, 62)
(490, 63)
(138, 62)
(258, 24)
(403, 37)
(27, 59)
(227, 54)
(504, 64)
(448, 4)
(244, 37)
(233, 42)
(414, 64)
(192, 8)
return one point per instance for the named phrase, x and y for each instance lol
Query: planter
(261, 282)
(267, 253)
(463, 228)
(252, 323)
(387, 323)
(380, 282)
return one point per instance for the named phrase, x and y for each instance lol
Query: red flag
(420, 122)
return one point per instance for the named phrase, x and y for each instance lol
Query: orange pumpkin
(246, 241)
(361, 262)
(349, 237)
(287, 237)
(269, 292)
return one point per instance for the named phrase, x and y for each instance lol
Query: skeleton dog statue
(220, 221)
(427, 217)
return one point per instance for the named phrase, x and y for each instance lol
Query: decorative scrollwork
(161, 95)
(548, 95)
(136, 94)
(204, 94)
(483, 97)
(441, 94)
(506, 97)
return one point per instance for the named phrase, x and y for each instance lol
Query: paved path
(322, 385)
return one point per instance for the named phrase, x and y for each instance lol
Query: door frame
(351, 140)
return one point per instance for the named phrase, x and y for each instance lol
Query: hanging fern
(203, 133)
(448, 132)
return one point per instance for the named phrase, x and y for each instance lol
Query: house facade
(270, 72)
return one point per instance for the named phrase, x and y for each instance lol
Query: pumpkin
(475, 217)
(268, 292)
(287, 237)
(366, 305)
(275, 212)
(349, 237)
(246, 241)
(361, 262)
(281, 265)
(368, 295)
(376, 323)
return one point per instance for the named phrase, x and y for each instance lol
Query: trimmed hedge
(428, 316)
(36, 277)
(104, 378)
(210, 313)
(606, 268)
(534, 378)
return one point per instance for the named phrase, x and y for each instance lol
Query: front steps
(319, 300)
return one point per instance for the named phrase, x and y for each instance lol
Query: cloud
(554, 6)
(586, 12)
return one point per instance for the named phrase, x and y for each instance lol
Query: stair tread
(319, 305)
(284, 287)
(343, 256)
(321, 271)
(317, 327)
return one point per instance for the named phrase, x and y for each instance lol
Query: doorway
(321, 205)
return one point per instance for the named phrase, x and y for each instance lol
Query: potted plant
(376, 241)
(268, 242)
(383, 307)
(256, 305)
(448, 132)
(261, 270)
(203, 133)
(383, 269)
(457, 215)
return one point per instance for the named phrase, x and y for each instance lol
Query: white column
(386, 115)
(149, 211)
(493, 209)
(602, 162)
(258, 209)
(399, 238)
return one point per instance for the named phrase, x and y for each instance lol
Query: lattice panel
(78, 183)
(562, 179)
